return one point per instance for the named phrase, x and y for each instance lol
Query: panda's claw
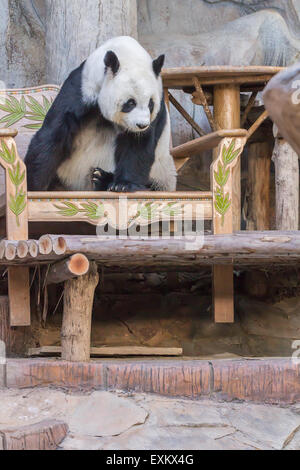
(126, 187)
(97, 173)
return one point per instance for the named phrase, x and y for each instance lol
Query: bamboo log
(75, 266)
(287, 185)
(77, 317)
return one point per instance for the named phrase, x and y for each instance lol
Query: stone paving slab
(129, 421)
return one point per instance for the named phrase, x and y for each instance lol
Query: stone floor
(118, 421)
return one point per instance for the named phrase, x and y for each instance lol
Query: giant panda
(108, 129)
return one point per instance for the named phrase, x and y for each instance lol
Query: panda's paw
(126, 187)
(101, 179)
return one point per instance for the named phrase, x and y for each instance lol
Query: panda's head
(130, 98)
(130, 91)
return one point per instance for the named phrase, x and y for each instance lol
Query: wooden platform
(275, 380)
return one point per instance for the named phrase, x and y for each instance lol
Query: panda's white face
(131, 102)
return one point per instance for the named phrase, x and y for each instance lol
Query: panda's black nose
(142, 126)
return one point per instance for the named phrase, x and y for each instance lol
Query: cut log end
(33, 249)
(10, 251)
(22, 249)
(75, 266)
(79, 264)
(45, 245)
(59, 246)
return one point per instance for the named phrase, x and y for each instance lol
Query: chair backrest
(25, 110)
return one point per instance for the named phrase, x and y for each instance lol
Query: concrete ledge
(46, 435)
(275, 381)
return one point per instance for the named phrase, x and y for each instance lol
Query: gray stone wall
(43, 40)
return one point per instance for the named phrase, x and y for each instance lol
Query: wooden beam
(77, 316)
(258, 123)
(186, 115)
(207, 111)
(113, 351)
(249, 106)
(75, 266)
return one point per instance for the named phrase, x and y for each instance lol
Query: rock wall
(22, 36)
(75, 29)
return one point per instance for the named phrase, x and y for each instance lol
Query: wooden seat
(25, 110)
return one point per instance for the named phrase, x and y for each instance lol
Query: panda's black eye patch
(151, 105)
(129, 106)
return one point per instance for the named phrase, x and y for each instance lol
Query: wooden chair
(21, 115)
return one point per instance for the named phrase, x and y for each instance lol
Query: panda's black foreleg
(134, 157)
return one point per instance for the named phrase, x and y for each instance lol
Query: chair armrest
(8, 132)
(207, 142)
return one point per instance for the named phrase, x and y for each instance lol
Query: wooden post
(227, 116)
(287, 185)
(10, 336)
(257, 206)
(77, 316)
(16, 226)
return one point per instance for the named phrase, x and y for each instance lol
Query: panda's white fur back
(95, 147)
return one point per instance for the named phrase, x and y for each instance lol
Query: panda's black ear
(158, 64)
(111, 61)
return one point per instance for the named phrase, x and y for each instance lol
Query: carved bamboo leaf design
(68, 209)
(90, 209)
(17, 201)
(172, 209)
(222, 201)
(17, 204)
(148, 211)
(15, 174)
(8, 155)
(37, 112)
(222, 175)
(229, 154)
(93, 211)
(15, 110)
(31, 110)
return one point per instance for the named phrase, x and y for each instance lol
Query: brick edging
(275, 381)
